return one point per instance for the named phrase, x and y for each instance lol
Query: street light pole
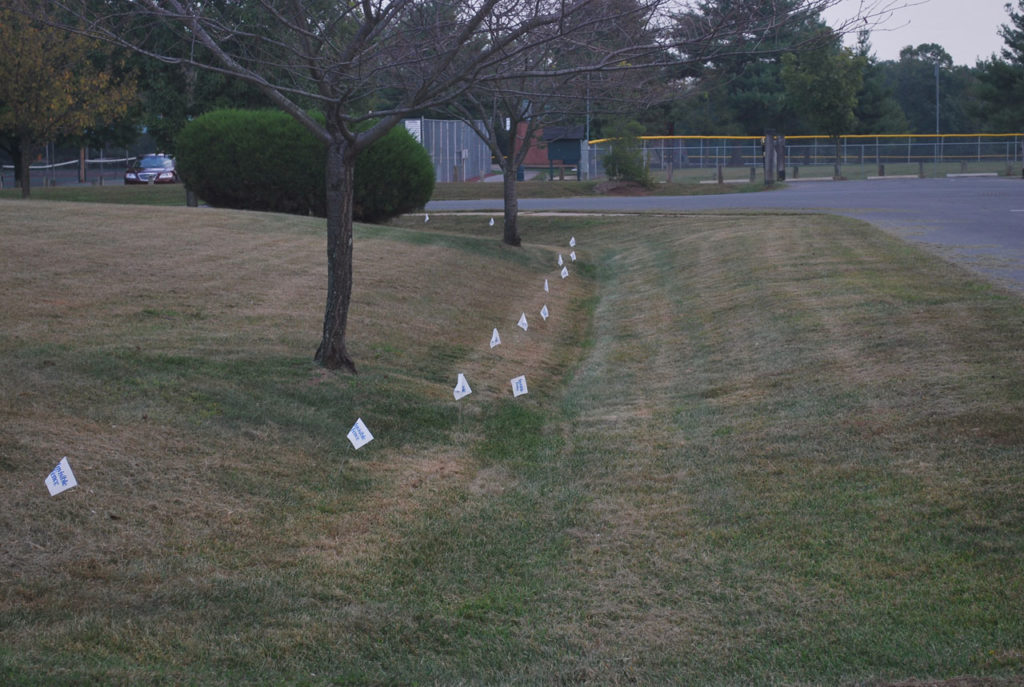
(938, 141)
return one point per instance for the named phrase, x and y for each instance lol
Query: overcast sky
(967, 29)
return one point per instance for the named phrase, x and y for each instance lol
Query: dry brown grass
(790, 455)
(84, 283)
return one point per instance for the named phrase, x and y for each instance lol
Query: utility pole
(938, 141)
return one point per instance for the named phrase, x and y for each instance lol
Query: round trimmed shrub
(265, 160)
(252, 160)
(393, 176)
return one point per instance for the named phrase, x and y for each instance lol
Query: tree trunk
(511, 233)
(23, 162)
(341, 158)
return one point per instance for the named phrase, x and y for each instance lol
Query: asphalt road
(977, 222)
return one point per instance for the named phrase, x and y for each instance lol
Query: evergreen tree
(742, 83)
(1001, 79)
(877, 110)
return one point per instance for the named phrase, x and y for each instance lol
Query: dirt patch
(621, 188)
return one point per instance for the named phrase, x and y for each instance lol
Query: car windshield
(155, 162)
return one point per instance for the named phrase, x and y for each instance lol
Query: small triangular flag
(572, 242)
(573, 256)
(523, 323)
(546, 289)
(519, 386)
(565, 272)
(495, 339)
(426, 218)
(560, 261)
(544, 312)
(61, 479)
(491, 223)
(359, 435)
(462, 387)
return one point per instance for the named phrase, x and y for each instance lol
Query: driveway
(977, 222)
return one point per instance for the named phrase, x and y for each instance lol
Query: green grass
(165, 194)
(756, 450)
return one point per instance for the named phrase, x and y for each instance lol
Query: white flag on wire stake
(62, 478)
(572, 242)
(519, 385)
(544, 312)
(565, 272)
(560, 261)
(462, 387)
(523, 323)
(495, 339)
(426, 218)
(359, 435)
(491, 223)
(546, 289)
(572, 256)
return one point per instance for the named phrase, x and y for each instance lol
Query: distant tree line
(748, 91)
(349, 72)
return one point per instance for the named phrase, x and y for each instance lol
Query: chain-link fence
(457, 152)
(687, 157)
(92, 170)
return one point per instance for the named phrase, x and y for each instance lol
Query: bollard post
(753, 174)
(721, 178)
(920, 169)
(881, 169)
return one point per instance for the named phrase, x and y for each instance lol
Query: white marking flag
(519, 386)
(546, 289)
(495, 339)
(359, 435)
(572, 242)
(61, 479)
(462, 387)
(573, 256)
(565, 272)
(544, 312)
(560, 261)
(426, 218)
(491, 223)
(523, 323)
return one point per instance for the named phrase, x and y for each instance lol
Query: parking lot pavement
(977, 222)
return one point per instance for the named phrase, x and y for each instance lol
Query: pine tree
(1001, 79)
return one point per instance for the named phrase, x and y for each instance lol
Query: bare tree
(606, 55)
(623, 54)
(365, 64)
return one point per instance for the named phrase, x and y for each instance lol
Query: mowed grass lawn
(777, 449)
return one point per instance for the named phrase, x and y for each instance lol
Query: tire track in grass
(737, 527)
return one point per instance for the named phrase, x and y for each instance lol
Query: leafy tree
(172, 94)
(824, 84)
(1001, 78)
(53, 84)
(625, 161)
(912, 79)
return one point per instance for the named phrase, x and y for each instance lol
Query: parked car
(152, 169)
